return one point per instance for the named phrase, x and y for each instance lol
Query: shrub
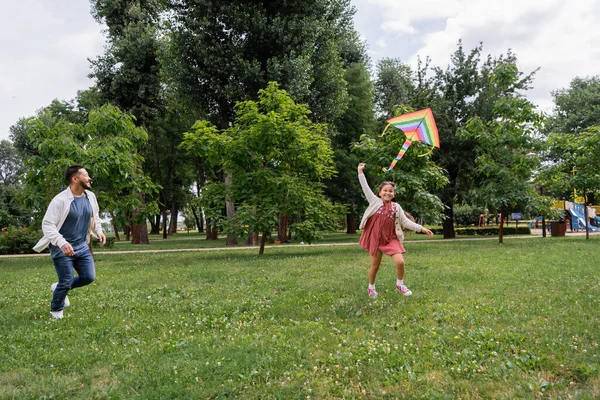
(18, 241)
(466, 215)
(110, 243)
(488, 231)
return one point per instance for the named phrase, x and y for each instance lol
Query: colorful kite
(418, 126)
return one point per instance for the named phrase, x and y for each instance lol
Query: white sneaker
(67, 302)
(57, 314)
(404, 290)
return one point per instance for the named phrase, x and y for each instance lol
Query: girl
(383, 222)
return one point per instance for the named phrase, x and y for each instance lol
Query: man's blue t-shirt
(76, 226)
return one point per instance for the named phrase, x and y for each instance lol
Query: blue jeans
(83, 263)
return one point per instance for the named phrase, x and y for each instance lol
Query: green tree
(576, 169)
(569, 163)
(357, 120)
(576, 107)
(221, 52)
(506, 147)
(277, 156)
(128, 73)
(11, 167)
(107, 146)
(394, 86)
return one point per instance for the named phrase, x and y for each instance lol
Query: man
(71, 216)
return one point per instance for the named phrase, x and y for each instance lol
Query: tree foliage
(507, 147)
(106, 145)
(276, 157)
(222, 52)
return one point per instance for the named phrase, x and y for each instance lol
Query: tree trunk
(500, 231)
(230, 210)
(199, 224)
(117, 237)
(252, 237)
(448, 222)
(155, 225)
(127, 231)
(543, 227)
(211, 229)
(262, 244)
(164, 224)
(351, 219)
(173, 222)
(282, 228)
(114, 224)
(140, 234)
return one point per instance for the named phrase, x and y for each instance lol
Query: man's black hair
(72, 170)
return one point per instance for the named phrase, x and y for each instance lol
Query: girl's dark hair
(72, 170)
(392, 184)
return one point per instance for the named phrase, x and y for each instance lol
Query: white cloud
(45, 46)
(561, 38)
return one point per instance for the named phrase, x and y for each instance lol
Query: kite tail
(405, 146)
(385, 129)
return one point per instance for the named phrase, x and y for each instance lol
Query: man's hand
(102, 239)
(361, 167)
(67, 250)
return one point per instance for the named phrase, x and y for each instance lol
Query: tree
(220, 53)
(573, 126)
(107, 146)
(394, 85)
(128, 74)
(576, 107)
(357, 120)
(11, 167)
(277, 156)
(576, 169)
(505, 147)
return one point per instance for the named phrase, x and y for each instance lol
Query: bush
(487, 231)
(466, 215)
(18, 241)
(110, 243)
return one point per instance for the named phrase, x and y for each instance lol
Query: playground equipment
(575, 213)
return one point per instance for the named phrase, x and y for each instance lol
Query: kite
(418, 126)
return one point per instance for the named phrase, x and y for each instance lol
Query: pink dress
(380, 232)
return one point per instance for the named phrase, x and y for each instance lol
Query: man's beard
(87, 185)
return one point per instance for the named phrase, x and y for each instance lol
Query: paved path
(534, 235)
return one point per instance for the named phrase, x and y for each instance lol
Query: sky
(45, 45)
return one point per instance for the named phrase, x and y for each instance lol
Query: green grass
(194, 240)
(518, 320)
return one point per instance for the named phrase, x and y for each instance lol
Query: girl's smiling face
(387, 192)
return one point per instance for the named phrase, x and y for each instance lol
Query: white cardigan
(375, 204)
(57, 213)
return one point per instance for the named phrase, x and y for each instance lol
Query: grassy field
(518, 320)
(194, 240)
